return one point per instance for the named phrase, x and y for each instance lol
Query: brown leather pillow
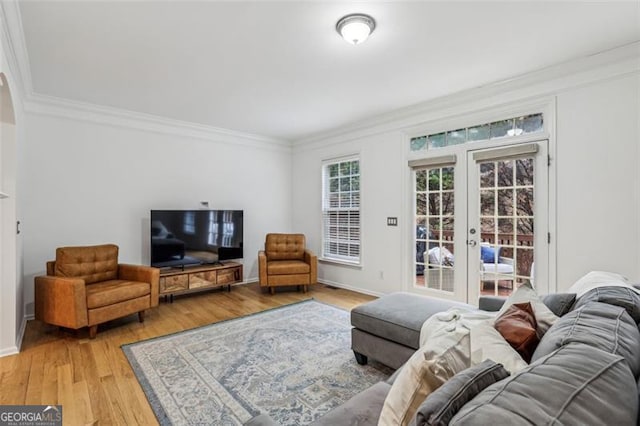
(518, 327)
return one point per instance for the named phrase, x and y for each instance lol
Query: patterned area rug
(293, 363)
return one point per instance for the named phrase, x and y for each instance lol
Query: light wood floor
(92, 379)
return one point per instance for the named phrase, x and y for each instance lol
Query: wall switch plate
(392, 221)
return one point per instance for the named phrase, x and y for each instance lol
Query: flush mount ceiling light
(355, 28)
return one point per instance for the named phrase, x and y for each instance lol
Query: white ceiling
(279, 69)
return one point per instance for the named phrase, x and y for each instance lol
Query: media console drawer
(227, 276)
(199, 278)
(202, 279)
(173, 283)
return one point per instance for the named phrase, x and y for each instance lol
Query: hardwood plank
(81, 405)
(95, 391)
(36, 379)
(15, 382)
(66, 398)
(92, 378)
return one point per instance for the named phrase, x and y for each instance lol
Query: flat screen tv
(181, 238)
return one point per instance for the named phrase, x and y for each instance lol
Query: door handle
(472, 243)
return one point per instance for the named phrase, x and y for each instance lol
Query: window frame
(348, 240)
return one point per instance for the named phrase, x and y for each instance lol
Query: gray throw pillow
(441, 405)
(559, 303)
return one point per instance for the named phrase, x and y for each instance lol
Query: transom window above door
(516, 126)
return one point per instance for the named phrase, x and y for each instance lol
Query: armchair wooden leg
(305, 288)
(93, 330)
(272, 290)
(141, 316)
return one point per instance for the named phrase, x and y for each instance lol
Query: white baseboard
(23, 327)
(348, 287)
(245, 282)
(11, 350)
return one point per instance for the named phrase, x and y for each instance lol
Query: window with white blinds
(341, 210)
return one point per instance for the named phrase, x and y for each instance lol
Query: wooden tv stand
(199, 278)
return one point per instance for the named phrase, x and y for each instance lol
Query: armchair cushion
(114, 291)
(91, 264)
(286, 267)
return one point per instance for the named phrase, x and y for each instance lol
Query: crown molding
(547, 81)
(82, 111)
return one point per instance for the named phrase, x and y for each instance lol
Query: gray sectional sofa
(585, 369)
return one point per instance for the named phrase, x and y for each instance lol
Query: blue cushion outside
(489, 254)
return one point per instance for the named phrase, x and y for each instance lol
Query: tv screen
(193, 237)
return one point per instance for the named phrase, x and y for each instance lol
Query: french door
(482, 222)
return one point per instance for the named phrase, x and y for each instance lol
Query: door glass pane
(506, 248)
(434, 228)
(487, 175)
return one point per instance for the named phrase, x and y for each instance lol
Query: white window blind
(341, 210)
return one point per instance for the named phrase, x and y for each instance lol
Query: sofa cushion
(287, 267)
(399, 316)
(448, 399)
(575, 385)
(362, 410)
(624, 297)
(114, 291)
(284, 246)
(599, 325)
(559, 303)
(518, 327)
(90, 263)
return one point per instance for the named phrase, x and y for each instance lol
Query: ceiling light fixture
(355, 28)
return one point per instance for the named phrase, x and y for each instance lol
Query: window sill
(340, 262)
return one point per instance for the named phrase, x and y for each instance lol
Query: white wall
(381, 181)
(597, 181)
(91, 183)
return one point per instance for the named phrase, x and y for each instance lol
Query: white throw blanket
(484, 342)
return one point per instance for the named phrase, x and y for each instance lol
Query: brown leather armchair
(285, 261)
(85, 286)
